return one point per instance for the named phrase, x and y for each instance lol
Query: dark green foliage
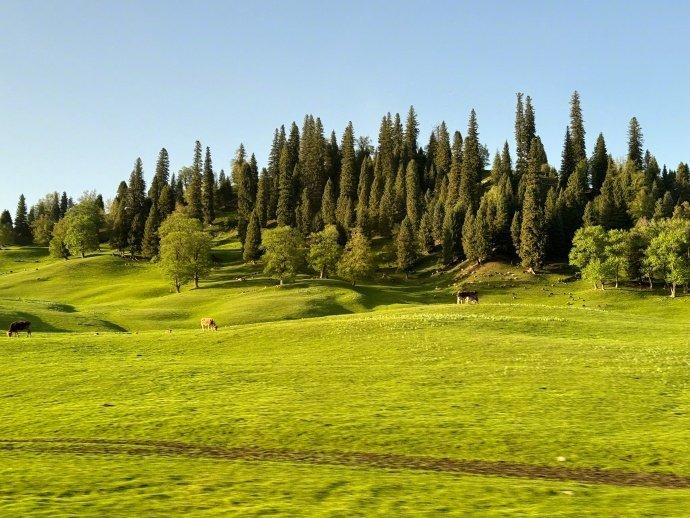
(151, 241)
(251, 250)
(161, 177)
(598, 164)
(286, 196)
(413, 196)
(137, 208)
(63, 204)
(568, 159)
(208, 189)
(577, 129)
(348, 180)
(472, 166)
(532, 230)
(635, 141)
(426, 233)
(406, 246)
(452, 234)
(22, 230)
(328, 204)
(411, 134)
(262, 198)
(193, 193)
(224, 192)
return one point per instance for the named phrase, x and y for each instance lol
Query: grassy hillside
(342, 409)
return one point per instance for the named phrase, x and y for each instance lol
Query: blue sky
(87, 87)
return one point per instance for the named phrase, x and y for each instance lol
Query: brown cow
(208, 323)
(468, 297)
(19, 325)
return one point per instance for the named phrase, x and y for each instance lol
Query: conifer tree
(472, 166)
(304, 213)
(120, 220)
(442, 155)
(328, 204)
(468, 238)
(532, 231)
(452, 234)
(568, 159)
(577, 129)
(161, 176)
(262, 198)
(406, 246)
(22, 230)
(193, 193)
(598, 164)
(286, 201)
(426, 233)
(63, 204)
(208, 190)
(348, 179)
(151, 242)
(515, 228)
(166, 202)
(453, 194)
(412, 193)
(251, 250)
(136, 208)
(362, 210)
(635, 141)
(411, 134)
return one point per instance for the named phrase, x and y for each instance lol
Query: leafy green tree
(357, 261)
(42, 229)
(284, 253)
(57, 247)
(185, 250)
(589, 253)
(81, 229)
(667, 253)
(251, 251)
(6, 234)
(616, 253)
(325, 250)
(406, 246)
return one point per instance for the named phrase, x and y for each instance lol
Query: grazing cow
(19, 325)
(467, 297)
(208, 323)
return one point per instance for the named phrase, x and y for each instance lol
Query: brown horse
(208, 323)
(19, 325)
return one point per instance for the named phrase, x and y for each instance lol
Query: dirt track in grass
(350, 459)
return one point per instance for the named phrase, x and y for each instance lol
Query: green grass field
(323, 399)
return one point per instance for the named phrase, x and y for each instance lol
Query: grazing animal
(208, 323)
(467, 297)
(19, 325)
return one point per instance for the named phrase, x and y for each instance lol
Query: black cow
(469, 297)
(19, 325)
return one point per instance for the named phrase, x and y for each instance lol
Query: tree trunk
(673, 290)
(322, 273)
(281, 282)
(196, 281)
(177, 287)
(651, 284)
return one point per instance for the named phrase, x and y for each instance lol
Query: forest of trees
(329, 196)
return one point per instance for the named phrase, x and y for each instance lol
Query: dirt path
(351, 459)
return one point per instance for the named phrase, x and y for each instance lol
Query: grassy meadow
(543, 372)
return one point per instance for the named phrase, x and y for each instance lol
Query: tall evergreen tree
(285, 212)
(262, 198)
(348, 179)
(251, 250)
(328, 204)
(577, 129)
(406, 246)
(63, 204)
(208, 190)
(411, 134)
(455, 172)
(568, 159)
(472, 166)
(532, 231)
(136, 208)
(598, 164)
(193, 193)
(151, 242)
(635, 141)
(22, 230)
(413, 193)
(162, 175)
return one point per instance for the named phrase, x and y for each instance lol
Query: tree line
(447, 195)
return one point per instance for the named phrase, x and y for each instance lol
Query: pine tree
(598, 165)
(406, 246)
(468, 238)
(328, 204)
(251, 250)
(411, 134)
(532, 231)
(136, 208)
(635, 141)
(452, 234)
(161, 176)
(412, 193)
(120, 222)
(193, 193)
(286, 201)
(577, 129)
(262, 198)
(443, 154)
(304, 213)
(22, 230)
(515, 228)
(362, 210)
(63, 204)
(208, 190)
(348, 179)
(150, 243)
(453, 194)
(568, 159)
(166, 202)
(472, 166)
(426, 232)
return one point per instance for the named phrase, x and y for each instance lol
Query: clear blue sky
(86, 87)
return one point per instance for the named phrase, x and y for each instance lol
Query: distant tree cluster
(446, 196)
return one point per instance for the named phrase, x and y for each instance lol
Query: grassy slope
(540, 369)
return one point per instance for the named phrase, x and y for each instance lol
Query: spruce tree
(577, 129)
(412, 193)
(22, 230)
(162, 175)
(285, 212)
(568, 159)
(532, 231)
(136, 208)
(362, 210)
(411, 134)
(304, 213)
(150, 243)
(63, 204)
(443, 154)
(193, 194)
(635, 141)
(406, 246)
(598, 164)
(262, 198)
(515, 228)
(251, 250)
(468, 238)
(208, 190)
(426, 232)
(120, 220)
(453, 194)
(452, 234)
(328, 204)
(348, 179)
(472, 166)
